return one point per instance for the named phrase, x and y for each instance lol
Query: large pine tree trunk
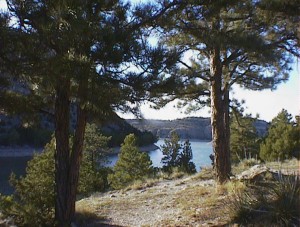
(76, 157)
(67, 163)
(62, 154)
(222, 161)
(78, 142)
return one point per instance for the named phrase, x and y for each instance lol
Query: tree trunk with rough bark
(62, 154)
(227, 127)
(222, 159)
(76, 157)
(67, 161)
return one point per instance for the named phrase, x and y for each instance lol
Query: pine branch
(198, 74)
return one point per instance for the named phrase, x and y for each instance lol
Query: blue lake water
(201, 151)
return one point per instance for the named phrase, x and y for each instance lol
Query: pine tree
(132, 164)
(93, 174)
(281, 141)
(80, 55)
(244, 140)
(233, 42)
(185, 159)
(177, 154)
(171, 151)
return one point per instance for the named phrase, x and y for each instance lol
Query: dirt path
(181, 202)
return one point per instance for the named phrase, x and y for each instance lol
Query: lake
(201, 151)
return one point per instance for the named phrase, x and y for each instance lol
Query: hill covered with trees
(187, 128)
(16, 131)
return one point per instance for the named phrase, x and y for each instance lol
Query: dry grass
(244, 165)
(142, 184)
(181, 202)
(189, 201)
(290, 166)
(205, 174)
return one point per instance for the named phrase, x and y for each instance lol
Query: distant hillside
(13, 132)
(187, 128)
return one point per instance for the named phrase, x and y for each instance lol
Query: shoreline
(11, 152)
(19, 151)
(147, 148)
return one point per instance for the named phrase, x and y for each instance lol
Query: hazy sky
(266, 103)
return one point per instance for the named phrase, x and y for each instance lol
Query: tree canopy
(282, 139)
(231, 42)
(77, 58)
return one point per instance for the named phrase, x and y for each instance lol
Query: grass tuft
(269, 203)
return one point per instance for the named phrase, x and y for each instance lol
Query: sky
(266, 103)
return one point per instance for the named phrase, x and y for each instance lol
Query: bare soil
(190, 201)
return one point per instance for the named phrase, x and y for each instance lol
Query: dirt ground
(190, 201)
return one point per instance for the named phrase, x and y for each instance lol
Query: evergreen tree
(132, 164)
(82, 55)
(177, 154)
(232, 42)
(171, 151)
(32, 203)
(244, 140)
(296, 135)
(93, 174)
(186, 155)
(282, 139)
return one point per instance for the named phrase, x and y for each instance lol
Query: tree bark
(62, 154)
(67, 163)
(221, 157)
(78, 143)
(227, 127)
(76, 157)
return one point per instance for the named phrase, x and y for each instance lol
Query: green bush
(131, 166)
(32, 203)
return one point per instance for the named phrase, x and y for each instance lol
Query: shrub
(269, 203)
(131, 166)
(32, 203)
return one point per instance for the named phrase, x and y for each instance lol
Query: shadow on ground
(89, 219)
